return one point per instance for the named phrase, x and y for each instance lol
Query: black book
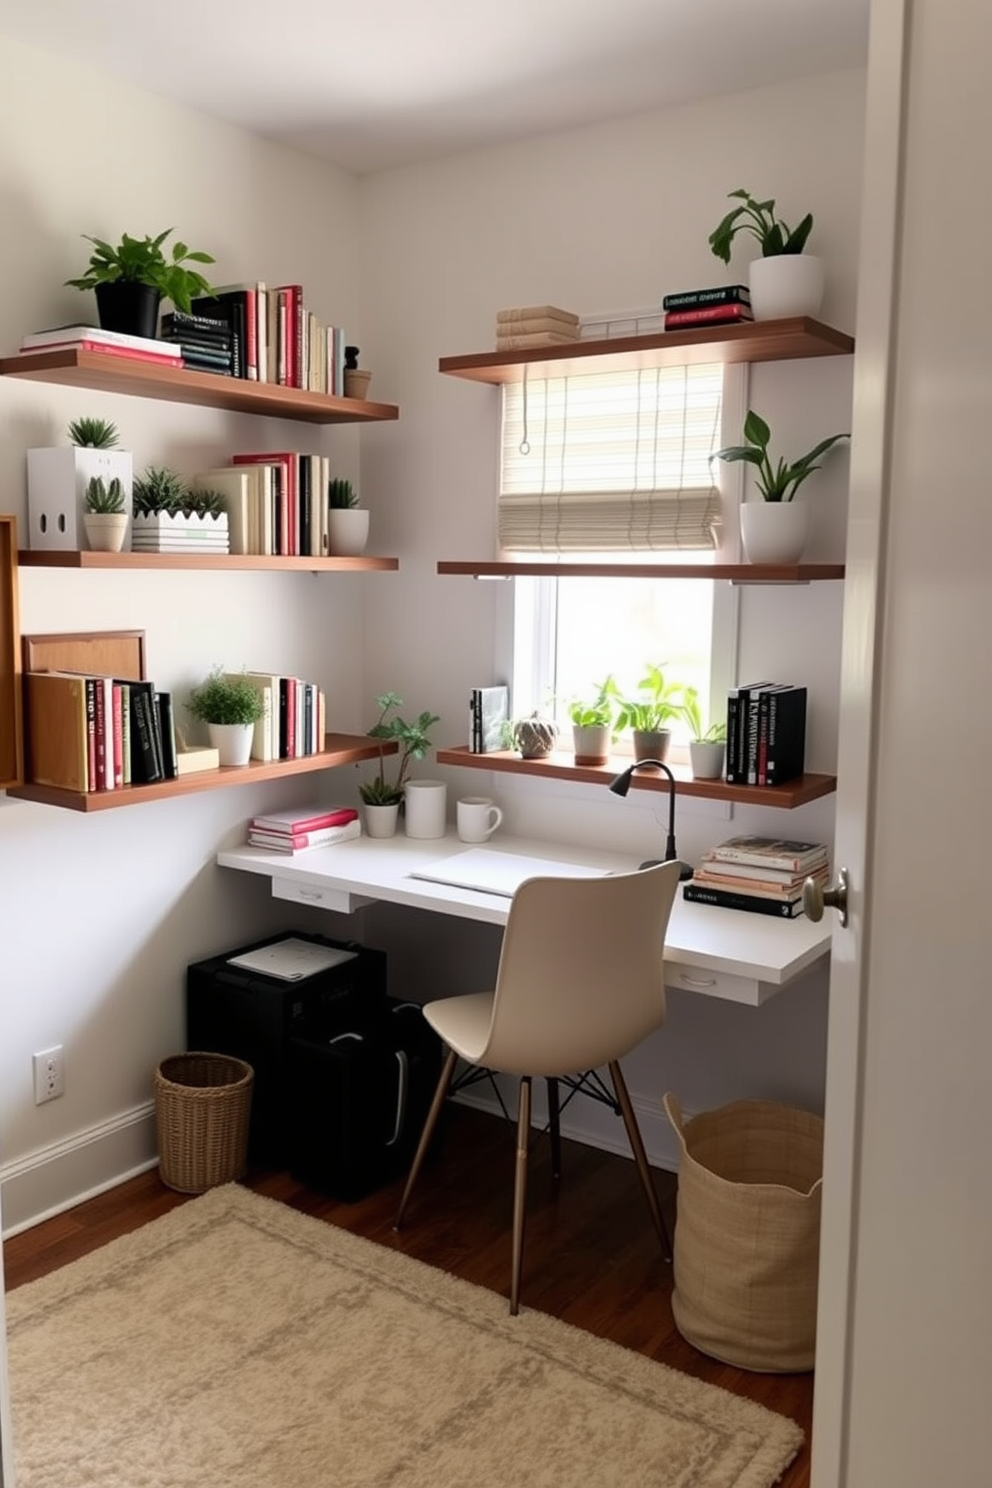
(146, 765)
(217, 356)
(201, 341)
(167, 729)
(183, 320)
(720, 294)
(229, 306)
(757, 732)
(786, 735)
(738, 715)
(304, 500)
(783, 909)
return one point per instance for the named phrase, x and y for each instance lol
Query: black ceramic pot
(128, 307)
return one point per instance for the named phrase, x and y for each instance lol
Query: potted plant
(58, 479)
(656, 704)
(347, 522)
(785, 280)
(356, 379)
(593, 720)
(380, 795)
(104, 515)
(707, 746)
(775, 528)
(130, 280)
(230, 705)
(169, 517)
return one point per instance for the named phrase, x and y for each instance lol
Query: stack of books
(294, 716)
(488, 715)
(766, 733)
(724, 304)
(204, 341)
(535, 325)
(99, 733)
(107, 343)
(761, 874)
(305, 827)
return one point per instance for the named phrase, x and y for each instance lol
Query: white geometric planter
(195, 533)
(57, 481)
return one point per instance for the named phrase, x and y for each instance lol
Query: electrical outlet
(49, 1075)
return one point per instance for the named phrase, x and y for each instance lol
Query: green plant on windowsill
(414, 742)
(225, 698)
(598, 711)
(93, 433)
(656, 704)
(778, 482)
(103, 499)
(692, 713)
(758, 218)
(142, 261)
(341, 495)
(159, 491)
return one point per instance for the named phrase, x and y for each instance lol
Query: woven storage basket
(747, 1237)
(202, 1105)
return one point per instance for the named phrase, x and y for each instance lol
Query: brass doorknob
(835, 897)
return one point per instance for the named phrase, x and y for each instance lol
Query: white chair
(580, 983)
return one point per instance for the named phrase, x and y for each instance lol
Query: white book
(66, 335)
(236, 483)
(262, 738)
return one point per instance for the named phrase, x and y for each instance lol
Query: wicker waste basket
(202, 1105)
(747, 1234)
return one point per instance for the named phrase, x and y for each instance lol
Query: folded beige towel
(536, 312)
(505, 342)
(536, 324)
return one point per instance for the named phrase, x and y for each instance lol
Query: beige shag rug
(235, 1341)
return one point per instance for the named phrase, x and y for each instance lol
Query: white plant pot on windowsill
(195, 533)
(774, 531)
(786, 284)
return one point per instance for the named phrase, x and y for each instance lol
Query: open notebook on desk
(492, 872)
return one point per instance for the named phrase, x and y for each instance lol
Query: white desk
(715, 952)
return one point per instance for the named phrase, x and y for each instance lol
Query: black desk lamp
(621, 785)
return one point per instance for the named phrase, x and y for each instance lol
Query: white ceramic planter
(347, 531)
(180, 534)
(57, 481)
(232, 741)
(651, 744)
(380, 821)
(774, 531)
(706, 758)
(105, 531)
(786, 284)
(591, 744)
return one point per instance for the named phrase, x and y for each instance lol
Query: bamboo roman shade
(611, 462)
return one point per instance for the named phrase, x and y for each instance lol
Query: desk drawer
(702, 981)
(318, 896)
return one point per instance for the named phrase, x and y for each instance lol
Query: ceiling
(376, 83)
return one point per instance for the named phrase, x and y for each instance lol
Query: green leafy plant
(781, 481)
(758, 217)
(656, 704)
(414, 742)
(93, 433)
(692, 713)
(205, 503)
(225, 698)
(142, 261)
(341, 495)
(103, 499)
(159, 490)
(598, 711)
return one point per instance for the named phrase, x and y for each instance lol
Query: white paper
(498, 872)
(292, 960)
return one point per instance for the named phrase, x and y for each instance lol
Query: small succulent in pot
(159, 490)
(103, 499)
(93, 433)
(341, 495)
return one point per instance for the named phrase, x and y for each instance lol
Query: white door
(6, 1441)
(903, 1381)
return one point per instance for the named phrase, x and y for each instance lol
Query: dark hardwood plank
(591, 1256)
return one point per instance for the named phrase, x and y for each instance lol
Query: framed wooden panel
(11, 731)
(109, 653)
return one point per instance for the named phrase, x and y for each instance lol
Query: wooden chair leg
(554, 1126)
(640, 1157)
(425, 1137)
(520, 1192)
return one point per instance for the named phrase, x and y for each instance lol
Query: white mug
(425, 803)
(477, 818)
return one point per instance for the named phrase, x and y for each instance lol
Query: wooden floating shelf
(752, 341)
(339, 749)
(736, 573)
(115, 374)
(562, 766)
(70, 558)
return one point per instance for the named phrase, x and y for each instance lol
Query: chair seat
(463, 1022)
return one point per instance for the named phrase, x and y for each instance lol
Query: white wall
(102, 914)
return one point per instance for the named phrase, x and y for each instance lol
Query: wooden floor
(591, 1256)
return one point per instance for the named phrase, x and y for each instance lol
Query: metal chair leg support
(425, 1137)
(640, 1157)
(520, 1192)
(554, 1126)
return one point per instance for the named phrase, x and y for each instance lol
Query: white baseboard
(58, 1177)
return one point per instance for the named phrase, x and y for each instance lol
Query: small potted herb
(105, 515)
(647, 714)
(382, 796)
(785, 280)
(347, 520)
(230, 705)
(131, 279)
(593, 720)
(707, 746)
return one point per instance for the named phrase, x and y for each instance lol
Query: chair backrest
(581, 976)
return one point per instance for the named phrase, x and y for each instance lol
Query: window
(614, 466)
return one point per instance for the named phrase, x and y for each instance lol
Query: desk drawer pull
(692, 981)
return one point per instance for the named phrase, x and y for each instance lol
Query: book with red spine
(301, 841)
(701, 315)
(303, 819)
(291, 297)
(117, 699)
(289, 462)
(103, 348)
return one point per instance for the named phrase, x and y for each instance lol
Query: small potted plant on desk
(381, 797)
(707, 747)
(593, 722)
(131, 279)
(656, 704)
(785, 280)
(230, 706)
(105, 515)
(347, 522)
